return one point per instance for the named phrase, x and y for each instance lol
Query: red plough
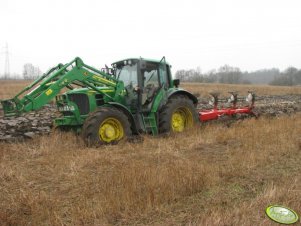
(216, 113)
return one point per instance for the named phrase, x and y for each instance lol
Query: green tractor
(134, 96)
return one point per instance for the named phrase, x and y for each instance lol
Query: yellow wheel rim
(110, 130)
(181, 119)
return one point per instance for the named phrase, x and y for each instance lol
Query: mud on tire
(91, 128)
(174, 104)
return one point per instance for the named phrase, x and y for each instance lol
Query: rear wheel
(106, 126)
(178, 114)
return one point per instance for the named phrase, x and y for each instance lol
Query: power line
(6, 64)
(5, 52)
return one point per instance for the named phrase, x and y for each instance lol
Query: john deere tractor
(134, 96)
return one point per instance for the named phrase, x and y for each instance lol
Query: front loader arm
(44, 89)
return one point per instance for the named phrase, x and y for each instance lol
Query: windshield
(127, 74)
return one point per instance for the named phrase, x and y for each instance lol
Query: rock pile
(28, 125)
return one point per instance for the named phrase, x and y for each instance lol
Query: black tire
(91, 128)
(174, 104)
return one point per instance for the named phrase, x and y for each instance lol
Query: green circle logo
(282, 214)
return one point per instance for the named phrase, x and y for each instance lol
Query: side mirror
(176, 82)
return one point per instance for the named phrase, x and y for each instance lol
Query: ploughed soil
(40, 122)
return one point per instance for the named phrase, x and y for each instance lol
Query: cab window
(127, 74)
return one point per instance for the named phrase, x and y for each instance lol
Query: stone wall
(28, 125)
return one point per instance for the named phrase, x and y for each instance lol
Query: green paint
(98, 89)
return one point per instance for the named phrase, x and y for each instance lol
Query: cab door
(163, 74)
(150, 83)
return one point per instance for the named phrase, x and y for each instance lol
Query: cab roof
(137, 59)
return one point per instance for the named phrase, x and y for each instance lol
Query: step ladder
(150, 123)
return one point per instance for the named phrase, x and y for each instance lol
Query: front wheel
(106, 126)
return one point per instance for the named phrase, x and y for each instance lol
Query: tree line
(30, 72)
(225, 74)
(233, 75)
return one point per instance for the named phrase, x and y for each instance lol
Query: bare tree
(31, 72)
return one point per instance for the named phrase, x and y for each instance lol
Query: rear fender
(184, 93)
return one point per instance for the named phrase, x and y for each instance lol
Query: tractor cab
(142, 78)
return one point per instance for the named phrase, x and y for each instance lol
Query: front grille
(82, 101)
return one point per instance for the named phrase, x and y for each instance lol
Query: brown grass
(210, 175)
(9, 88)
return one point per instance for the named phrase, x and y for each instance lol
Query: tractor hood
(90, 91)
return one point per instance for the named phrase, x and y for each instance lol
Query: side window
(150, 75)
(164, 75)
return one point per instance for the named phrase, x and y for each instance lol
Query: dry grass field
(208, 175)
(9, 88)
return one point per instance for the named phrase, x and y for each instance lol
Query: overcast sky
(250, 34)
